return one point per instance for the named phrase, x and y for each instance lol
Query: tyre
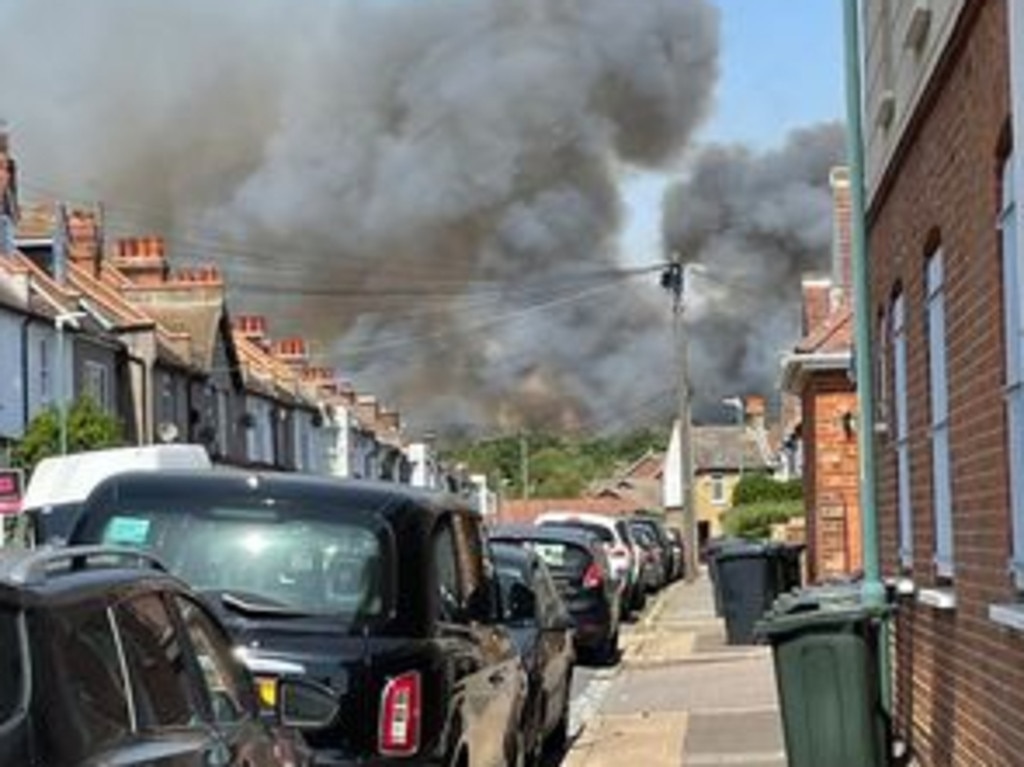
(609, 654)
(559, 737)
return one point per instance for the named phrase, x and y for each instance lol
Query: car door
(226, 687)
(170, 716)
(555, 643)
(481, 654)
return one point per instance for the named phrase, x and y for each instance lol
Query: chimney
(292, 352)
(842, 232)
(84, 246)
(367, 409)
(816, 303)
(252, 328)
(754, 412)
(8, 193)
(142, 260)
(390, 420)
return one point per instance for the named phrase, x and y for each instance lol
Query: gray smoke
(756, 223)
(422, 187)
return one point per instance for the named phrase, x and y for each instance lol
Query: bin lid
(835, 607)
(741, 550)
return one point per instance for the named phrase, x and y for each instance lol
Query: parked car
(619, 545)
(107, 659)
(653, 568)
(384, 594)
(675, 537)
(542, 629)
(582, 575)
(656, 526)
(61, 483)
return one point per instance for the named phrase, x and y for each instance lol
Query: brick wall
(960, 677)
(831, 477)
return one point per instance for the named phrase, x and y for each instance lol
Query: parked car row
(338, 622)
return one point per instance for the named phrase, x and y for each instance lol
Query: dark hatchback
(384, 595)
(107, 659)
(542, 629)
(582, 575)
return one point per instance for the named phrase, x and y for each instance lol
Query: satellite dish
(167, 431)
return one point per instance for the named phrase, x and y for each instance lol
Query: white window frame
(1013, 294)
(902, 436)
(96, 382)
(938, 377)
(718, 489)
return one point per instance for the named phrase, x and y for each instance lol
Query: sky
(781, 68)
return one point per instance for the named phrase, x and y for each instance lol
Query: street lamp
(59, 322)
(737, 403)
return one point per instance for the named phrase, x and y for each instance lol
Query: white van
(60, 484)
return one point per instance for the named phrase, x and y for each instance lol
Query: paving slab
(650, 739)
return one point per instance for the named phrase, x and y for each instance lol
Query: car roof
(63, 479)
(35, 576)
(575, 536)
(577, 516)
(382, 497)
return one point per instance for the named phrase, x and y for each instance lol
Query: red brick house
(946, 261)
(817, 372)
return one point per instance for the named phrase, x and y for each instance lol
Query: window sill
(939, 599)
(901, 586)
(1009, 615)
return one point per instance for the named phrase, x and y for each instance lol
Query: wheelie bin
(825, 645)
(747, 578)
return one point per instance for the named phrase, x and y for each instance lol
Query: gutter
(797, 365)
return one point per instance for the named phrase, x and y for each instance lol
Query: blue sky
(780, 68)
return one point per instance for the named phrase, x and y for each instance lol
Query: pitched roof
(834, 335)
(722, 447)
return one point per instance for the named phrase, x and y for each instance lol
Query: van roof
(70, 478)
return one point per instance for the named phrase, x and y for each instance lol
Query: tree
(755, 520)
(756, 487)
(89, 427)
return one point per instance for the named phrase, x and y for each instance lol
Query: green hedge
(755, 520)
(758, 488)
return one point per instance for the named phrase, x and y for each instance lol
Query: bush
(755, 520)
(89, 427)
(758, 488)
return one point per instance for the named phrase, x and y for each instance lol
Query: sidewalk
(684, 697)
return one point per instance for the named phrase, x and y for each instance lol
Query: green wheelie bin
(825, 646)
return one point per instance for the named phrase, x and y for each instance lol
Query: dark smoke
(756, 223)
(401, 174)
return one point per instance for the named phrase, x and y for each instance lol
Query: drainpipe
(872, 589)
(25, 377)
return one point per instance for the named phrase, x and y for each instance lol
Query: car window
(224, 683)
(12, 664)
(157, 664)
(603, 533)
(474, 568)
(268, 555)
(82, 692)
(565, 559)
(446, 573)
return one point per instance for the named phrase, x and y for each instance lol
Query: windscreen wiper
(244, 605)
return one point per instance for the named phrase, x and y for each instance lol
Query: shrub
(755, 520)
(757, 488)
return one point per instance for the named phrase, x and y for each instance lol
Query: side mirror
(522, 603)
(305, 705)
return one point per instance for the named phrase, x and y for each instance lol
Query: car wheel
(610, 650)
(639, 599)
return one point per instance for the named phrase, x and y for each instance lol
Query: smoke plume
(428, 189)
(755, 223)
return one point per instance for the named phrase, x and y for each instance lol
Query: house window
(96, 383)
(902, 437)
(1013, 292)
(717, 489)
(941, 468)
(45, 371)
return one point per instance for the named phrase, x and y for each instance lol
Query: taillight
(593, 577)
(400, 716)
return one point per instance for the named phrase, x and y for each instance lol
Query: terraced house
(157, 347)
(944, 113)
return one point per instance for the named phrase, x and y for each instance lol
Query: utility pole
(524, 465)
(674, 280)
